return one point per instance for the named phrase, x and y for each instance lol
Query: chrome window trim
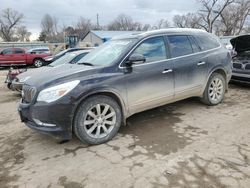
(174, 58)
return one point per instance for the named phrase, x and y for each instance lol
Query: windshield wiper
(85, 63)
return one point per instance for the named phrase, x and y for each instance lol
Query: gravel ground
(184, 144)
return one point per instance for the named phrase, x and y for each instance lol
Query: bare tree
(162, 23)
(23, 34)
(189, 20)
(82, 27)
(233, 18)
(211, 11)
(122, 23)
(9, 19)
(49, 26)
(125, 23)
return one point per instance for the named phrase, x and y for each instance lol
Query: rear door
(190, 68)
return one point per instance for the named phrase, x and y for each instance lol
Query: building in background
(95, 37)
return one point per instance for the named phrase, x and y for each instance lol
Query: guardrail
(27, 45)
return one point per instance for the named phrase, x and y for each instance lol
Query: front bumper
(56, 119)
(241, 77)
(17, 86)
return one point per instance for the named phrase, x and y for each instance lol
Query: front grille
(247, 66)
(237, 65)
(28, 93)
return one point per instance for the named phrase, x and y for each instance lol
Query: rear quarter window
(207, 41)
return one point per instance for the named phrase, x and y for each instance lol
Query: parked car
(241, 61)
(39, 51)
(71, 58)
(124, 76)
(12, 73)
(18, 56)
(52, 58)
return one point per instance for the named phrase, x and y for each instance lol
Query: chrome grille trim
(28, 93)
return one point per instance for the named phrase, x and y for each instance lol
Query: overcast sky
(68, 11)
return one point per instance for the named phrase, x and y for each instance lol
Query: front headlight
(53, 93)
(48, 58)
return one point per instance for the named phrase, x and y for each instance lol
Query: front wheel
(97, 120)
(38, 63)
(215, 90)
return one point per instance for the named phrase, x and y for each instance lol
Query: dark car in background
(52, 58)
(124, 76)
(241, 61)
(70, 57)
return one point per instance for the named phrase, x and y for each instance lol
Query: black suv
(125, 75)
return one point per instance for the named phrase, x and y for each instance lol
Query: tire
(97, 120)
(215, 90)
(38, 63)
(9, 85)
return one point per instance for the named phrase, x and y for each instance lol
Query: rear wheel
(38, 63)
(97, 120)
(215, 90)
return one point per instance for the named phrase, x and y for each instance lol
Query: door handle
(167, 71)
(201, 63)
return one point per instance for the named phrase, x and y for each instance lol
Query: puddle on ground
(68, 184)
(11, 155)
(192, 174)
(154, 130)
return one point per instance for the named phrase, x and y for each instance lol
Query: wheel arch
(219, 70)
(114, 95)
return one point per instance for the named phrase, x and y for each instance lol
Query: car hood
(31, 72)
(241, 43)
(58, 74)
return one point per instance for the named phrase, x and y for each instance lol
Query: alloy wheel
(216, 89)
(38, 63)
(99, 121)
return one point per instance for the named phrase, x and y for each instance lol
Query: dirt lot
(185, 144)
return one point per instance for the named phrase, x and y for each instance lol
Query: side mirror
(136, 59)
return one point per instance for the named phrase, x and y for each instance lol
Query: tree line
(222, 17)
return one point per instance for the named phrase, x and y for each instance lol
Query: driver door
(150, 84)
(7, 57)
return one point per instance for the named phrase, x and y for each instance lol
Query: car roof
(162, 31)
(79, 52)
(33, 49)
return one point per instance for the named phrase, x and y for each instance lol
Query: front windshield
(64, 59)
(106, 53)
(61, 53)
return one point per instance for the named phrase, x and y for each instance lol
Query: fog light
(37, 121)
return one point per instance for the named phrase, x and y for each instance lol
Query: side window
(18, 51)
(180, 45)
(207, 42)
(194, 45)
(7, 51)
(77, 58)
(152, 49)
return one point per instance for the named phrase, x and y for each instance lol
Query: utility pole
(97, 21)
